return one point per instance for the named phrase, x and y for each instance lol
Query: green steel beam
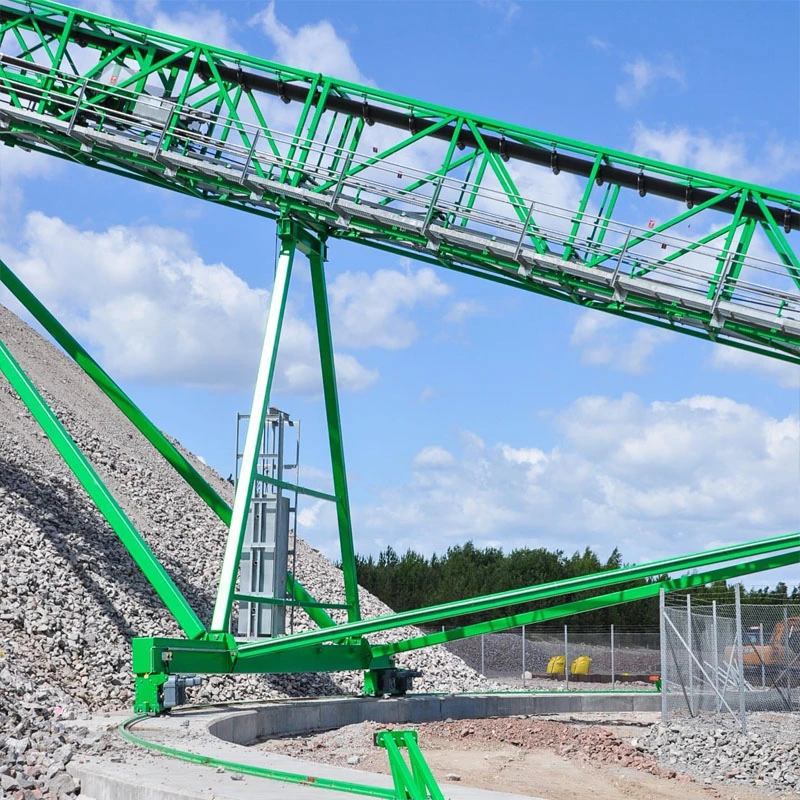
(142, 423)
(473, 605)
(306, 599)
(244, 486)
(348, 555)
(293, 487)
(237, 87)
(155, 573)
(282, 601)
(619, 597)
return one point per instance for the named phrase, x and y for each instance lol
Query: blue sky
(470, 410)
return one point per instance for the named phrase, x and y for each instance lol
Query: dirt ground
(556, 758)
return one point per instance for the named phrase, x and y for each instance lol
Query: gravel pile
(35, 744)
(503, 655)
(71, 597)
(716, 750)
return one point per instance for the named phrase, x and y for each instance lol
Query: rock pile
(714, 749)
(502, 655)
(35, 745)
(71, 597)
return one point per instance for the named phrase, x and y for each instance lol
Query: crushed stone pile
(71, 597)
(502, 655)
(768, 755)
(35, 744)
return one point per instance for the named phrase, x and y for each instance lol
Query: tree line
(412, 580)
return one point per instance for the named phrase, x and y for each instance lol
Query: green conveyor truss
(681, 249)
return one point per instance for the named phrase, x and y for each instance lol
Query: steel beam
(473, 605)
(141, 553)
(244, 486)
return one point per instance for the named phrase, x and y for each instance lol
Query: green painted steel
(163, 584)
(207, 122)
(348, 555)
(244, 486)
(412, 779)
(248, 769)
(114, 392)
(293, 487)
(690, 581)
(472, 605)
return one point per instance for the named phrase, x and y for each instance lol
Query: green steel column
(244, 486)
(335, 434)
(166, 589)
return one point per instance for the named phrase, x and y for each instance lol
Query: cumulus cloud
(722, 155)
(152, 309)
(463, 310)
(367, 309)
(433, 456)
(603, 339)
(642, 74)
(315, 47)
(653, 478)
(784, 374)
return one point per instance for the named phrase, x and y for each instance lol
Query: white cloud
(433, 456)
(426, 395)
(655, 479)
(642, 74)
(508, 9)
(207, 25)
(366, 308)
(462, 310)
(201, 24)
(314, 47)
(720, 155)
(597, 43)
(732, 359)
(604, 339)
(16, 166)
(153, 310)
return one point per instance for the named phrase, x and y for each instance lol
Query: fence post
(566, 659)
(691, 647)
(662, 618)
(613, 674)
(761, 645)
(523, 656)
(740, 655)
(483, 657)
(715, 645)
(788, 654)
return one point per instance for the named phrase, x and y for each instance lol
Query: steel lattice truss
(698, 253)
(443, 186)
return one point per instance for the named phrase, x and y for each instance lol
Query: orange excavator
(782, 650)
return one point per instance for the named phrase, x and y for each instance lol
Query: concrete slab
(221, 733)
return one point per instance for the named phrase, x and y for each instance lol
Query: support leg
(335, 433)
(244, 487)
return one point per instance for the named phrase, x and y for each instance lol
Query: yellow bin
(581, 665)
(556, 665)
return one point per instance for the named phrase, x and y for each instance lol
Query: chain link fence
(729, 658)
(611, 656)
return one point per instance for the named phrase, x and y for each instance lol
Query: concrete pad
(221, 732)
